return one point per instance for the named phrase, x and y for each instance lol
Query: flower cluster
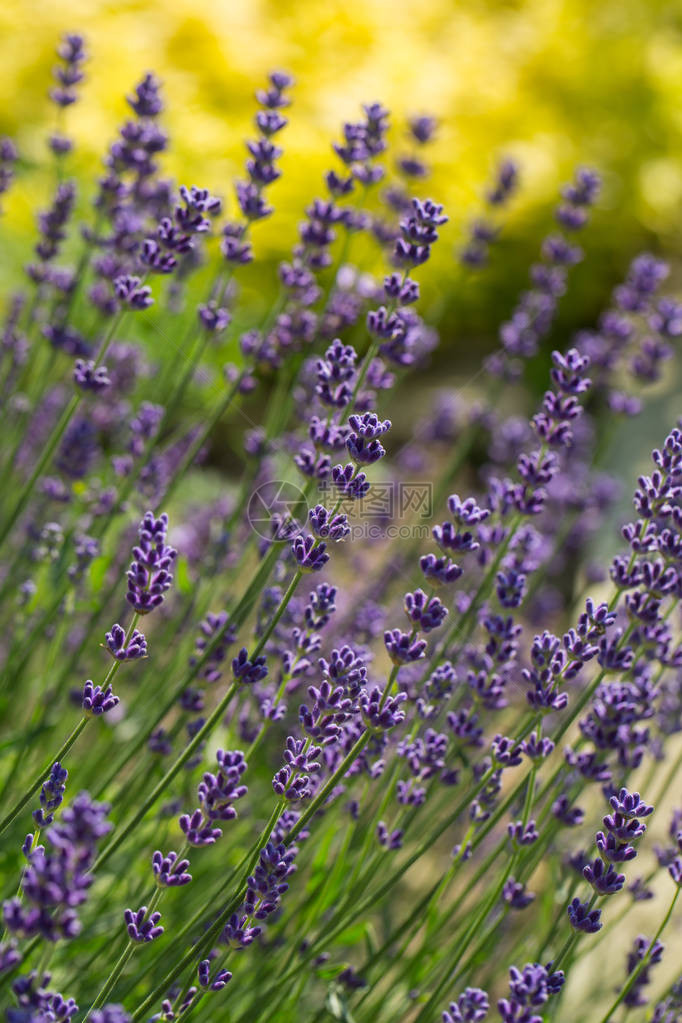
(263, 153)
(615, 845)
(264, 889)
(532, 318)
(483, 232)
(217, 793)
(57, 876)
(150, 575)
(529, 988)
(51, 795)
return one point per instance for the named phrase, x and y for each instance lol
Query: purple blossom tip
(169, 871)
(140, 928)
(150, 574)
(310, 555)
(120, 650)
(402, 647)
(97, 701)
(90, 377)
(215, 983)
(248, 671)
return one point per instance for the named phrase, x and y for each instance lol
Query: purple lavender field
(341, 658)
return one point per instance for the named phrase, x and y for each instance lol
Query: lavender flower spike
(68, 74)
(51, 795)
(427, 613)
(150, 574)
(246, 671)
(310, 555)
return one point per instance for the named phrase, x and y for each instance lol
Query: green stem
(202, 437)
(40, 778)
(200, 736)
(272, 624)
(465, 938)
(237, 617)
(53, 441)
(211, 934)
(168, 777)
(111, 980)
(644, 960)
(556, 923)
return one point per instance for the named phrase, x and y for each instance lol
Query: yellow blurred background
(551, 82)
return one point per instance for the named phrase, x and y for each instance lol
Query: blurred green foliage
(550, 82)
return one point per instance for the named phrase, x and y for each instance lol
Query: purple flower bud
(198, 831)
(569, 815)
(89, 377)
(506, 752)
(603, 878)
(584, 919)
(506, 183)
(130, 290)
(327, 526)
(422, 128)
(121, 650)
(51, 795)
(8, 157)
(471, 1007)
(248, 672)
(402, 291)
(623, 828)
(426, 613)
(380, 718)
(350, 483)
(448, 537)
(169, 871)
(675, 870)
(310, 555)
(140, 929)
(515, 895)
(439, 571)
(536, 747)
(98, 701)
(217, 792)
(389, 840)
(362, 443)
(68, 74)
(630, 805)
(523, 834)
(251, 202)
(217, 982)
(402, 647)
(613, 850)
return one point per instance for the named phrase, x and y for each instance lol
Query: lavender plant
(371, 727)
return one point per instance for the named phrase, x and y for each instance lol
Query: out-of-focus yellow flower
(552, 82)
